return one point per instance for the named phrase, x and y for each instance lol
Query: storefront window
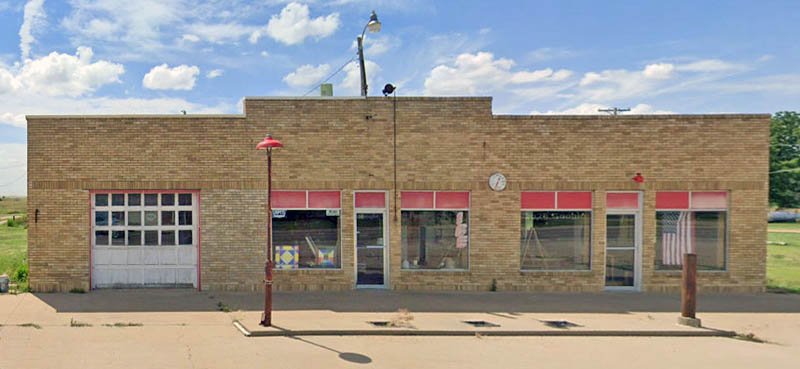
(693, 222)
(556, 240)
(435, 239)
(306, 239)
(305, 229)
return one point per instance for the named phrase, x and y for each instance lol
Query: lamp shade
(268, 143)
(374, 24)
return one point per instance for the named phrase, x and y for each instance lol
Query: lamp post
(374, 26)
(266, 317)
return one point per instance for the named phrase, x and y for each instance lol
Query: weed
(223, 308)
(77, 290)
(21, 274)
(402, 319)
(77, 324)
(123, 325)
(493, 288)
(31, 325)
(749, 337)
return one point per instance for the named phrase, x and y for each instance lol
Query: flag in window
(676, 237)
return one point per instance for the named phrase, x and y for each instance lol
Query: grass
(783, 263)
(14, 241)
(77, 324)
(784, 226)
(31, 325)
(123, 324)
(13, 206)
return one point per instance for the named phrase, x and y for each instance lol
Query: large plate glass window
(435, 230)
(691, 222)
(306, 229)
(556, 231)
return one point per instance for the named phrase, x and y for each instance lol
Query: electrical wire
(15, 180)
(330, 76)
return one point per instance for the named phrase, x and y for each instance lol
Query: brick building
(414, 193)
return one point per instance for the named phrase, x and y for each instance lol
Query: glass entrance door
(622, 248)
(370, 249)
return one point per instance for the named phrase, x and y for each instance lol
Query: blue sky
(533, 57)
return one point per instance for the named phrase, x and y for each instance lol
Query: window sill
(535, 271)
(436, 270)
(308, 269)
(699, 271)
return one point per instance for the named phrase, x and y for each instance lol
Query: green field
(13, 206)
(14, 241)
(783, 262)
(785, 226)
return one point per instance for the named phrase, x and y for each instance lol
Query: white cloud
(351, 84)
(16, 120)
(60, 74)
(593, 109)
(221, 32)
(128, 29)
(33, 18)
(766, 58)
(658, 71)
(214, 73)
(190, 37)
(481, 73)
(293, 25)
(374, 46)
(549, 53)
(264, 53)
(163, 77)
(709, 65)
(306, 75)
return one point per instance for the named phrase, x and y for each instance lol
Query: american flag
(677, 237)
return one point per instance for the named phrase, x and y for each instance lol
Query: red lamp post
(266, 317)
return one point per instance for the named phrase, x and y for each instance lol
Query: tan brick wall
(442, 144)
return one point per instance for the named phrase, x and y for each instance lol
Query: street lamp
(374, 26)
(266, 317)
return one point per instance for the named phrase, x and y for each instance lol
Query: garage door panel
(167, 275)
(101, 256)
(185, 275)
(187, 255)
(135, 276)
(166, 255)
(151, 276)
(118, 256)
(150, 256)
(119, 276)
(101, 277)
(134, 256)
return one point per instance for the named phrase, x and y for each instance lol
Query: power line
(15, 180)
(330, 76)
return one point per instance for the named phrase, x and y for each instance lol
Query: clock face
(497, 182)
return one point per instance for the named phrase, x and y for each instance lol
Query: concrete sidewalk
(434, 313)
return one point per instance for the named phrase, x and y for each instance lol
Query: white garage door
(142, 239)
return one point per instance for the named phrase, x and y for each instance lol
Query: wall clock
(497, 182)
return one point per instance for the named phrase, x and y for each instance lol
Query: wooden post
(689, 291)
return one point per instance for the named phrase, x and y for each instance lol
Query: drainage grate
(379, 323)
(563, 324)
(481, 323)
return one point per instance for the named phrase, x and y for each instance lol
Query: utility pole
(614, 110)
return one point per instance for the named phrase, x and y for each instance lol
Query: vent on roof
(326, 89)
